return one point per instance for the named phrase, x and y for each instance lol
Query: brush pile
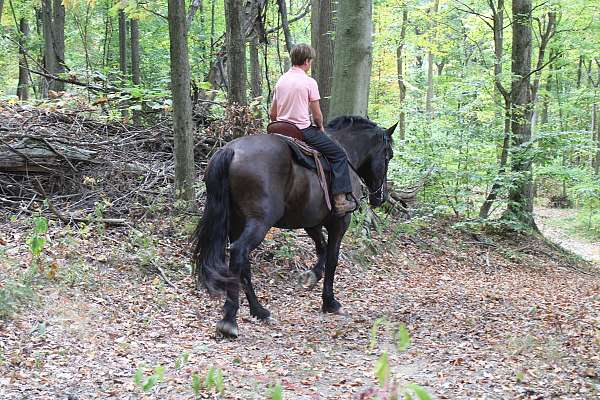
(82, 165)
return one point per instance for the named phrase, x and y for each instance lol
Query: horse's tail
(211, 235)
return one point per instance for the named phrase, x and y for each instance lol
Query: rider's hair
(300, 53)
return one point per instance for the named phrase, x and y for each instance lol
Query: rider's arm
(273, 110)
(315, 110)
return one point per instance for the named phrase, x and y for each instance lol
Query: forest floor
(509, 317)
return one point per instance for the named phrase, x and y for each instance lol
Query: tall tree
(236, 51)
(136, 76)
(285, 25)
(58, 34)
(400, 66)
(352, 54)
(497, 26)
(520, 206)
(50, 61)
(253, 12)
(123, 43)
(182, 103)
(322, 28)
(23, 85)
(429, 97)
(255, 71)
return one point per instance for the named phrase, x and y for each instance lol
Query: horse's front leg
(309, 279)
(336, 232)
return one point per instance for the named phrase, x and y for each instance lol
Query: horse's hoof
(261, 314)
(333, 308)
(227, 329)
(308, 280)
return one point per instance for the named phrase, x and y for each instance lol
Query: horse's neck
(354, 147)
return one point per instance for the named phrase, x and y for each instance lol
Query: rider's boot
(342, 205)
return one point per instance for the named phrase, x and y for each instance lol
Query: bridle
(379, 192)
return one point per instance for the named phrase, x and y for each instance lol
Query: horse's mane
(347, 121)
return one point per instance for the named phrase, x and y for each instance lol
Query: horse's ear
(391, 129)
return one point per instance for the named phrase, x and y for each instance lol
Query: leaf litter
(510, 320)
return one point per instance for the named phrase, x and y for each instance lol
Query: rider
(295, 95)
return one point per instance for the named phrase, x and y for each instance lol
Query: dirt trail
(584, 248)
(504, 319)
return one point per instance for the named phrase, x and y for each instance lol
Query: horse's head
(373, 147)
(374, 169)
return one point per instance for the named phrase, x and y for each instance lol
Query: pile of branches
(81, 166)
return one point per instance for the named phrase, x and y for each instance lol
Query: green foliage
(37, 241)
(13, 294)
(388, 388)
(275, 392)
(182, 360)
(402, 338)
(413, 390)
(196, 384)
(285, 250)
(147, 383)
(212, 381)
(382, 369)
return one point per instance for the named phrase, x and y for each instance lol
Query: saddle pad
(304, 159)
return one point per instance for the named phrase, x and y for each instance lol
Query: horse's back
(267, 184)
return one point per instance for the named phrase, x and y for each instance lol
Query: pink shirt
(293, 91)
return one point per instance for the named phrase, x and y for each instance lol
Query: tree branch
(296, 18)
(194, 7)
(73, 81)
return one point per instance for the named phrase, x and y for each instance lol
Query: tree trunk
(255, 71)
(429, 98)
(236, 51)
(593, 128)
(58, 34)
(597, 166)
(182, 103)
(285, 25)
(521, 194)
(122, 44)
(401, 85)
(136, 76)
(498, 30)
(550, 25)
(322, 28)
(546, 102)
(23, 85)
(352, 69)
(1, 9)
(579, 71)
(49, 54)
(194, 7)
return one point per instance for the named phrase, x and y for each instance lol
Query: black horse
(253, 184)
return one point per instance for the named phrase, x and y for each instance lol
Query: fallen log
(39, 155)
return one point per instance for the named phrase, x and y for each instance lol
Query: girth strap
(306, 149)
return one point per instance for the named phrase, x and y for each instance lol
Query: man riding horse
(254, 183)
(296, 94)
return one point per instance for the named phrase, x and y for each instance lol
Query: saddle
(294, 137)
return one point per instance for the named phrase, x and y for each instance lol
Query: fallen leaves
(481, 325)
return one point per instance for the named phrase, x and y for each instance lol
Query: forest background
(443, 68)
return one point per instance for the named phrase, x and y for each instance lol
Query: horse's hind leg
(256, 309)
(253, 233)
(309, 279)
